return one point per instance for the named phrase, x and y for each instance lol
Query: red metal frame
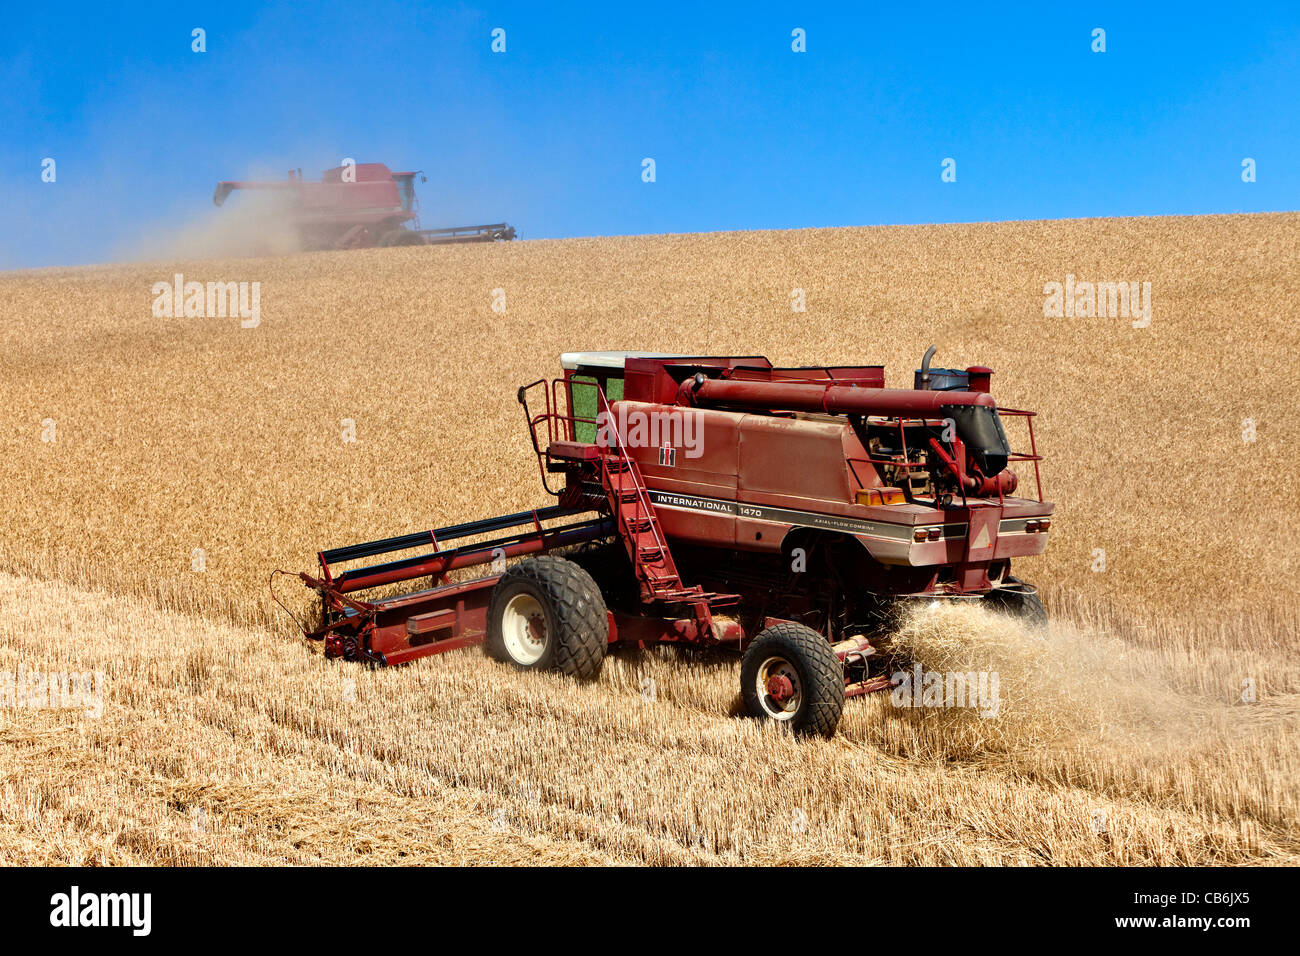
(607, 494)
(364, 211)
(1033, 445)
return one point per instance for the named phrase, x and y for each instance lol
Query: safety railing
(629, 467)
(562, 426)
(559, 426)
(1033, 455)
(903, 423)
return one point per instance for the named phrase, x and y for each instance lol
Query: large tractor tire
(790, 675)
(1019, 601)
(546, 613)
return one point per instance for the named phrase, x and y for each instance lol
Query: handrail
(552, 417)
(642, 499)
(902, 422)
(522, 396)
(1033, 455)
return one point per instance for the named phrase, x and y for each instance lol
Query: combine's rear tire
(791, 675)
(1024, 605)
(547, 614)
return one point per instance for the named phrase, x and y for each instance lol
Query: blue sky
(550, 135)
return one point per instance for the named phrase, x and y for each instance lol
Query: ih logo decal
(668, 456)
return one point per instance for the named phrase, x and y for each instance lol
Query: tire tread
(582, 627)
(823, 671)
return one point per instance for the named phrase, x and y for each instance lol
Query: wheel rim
(523, 625)
(780, 691)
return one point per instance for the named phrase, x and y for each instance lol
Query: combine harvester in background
(376, 207)
(712, 502)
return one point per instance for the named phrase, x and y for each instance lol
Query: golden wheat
(1124, 740)
(221, 744)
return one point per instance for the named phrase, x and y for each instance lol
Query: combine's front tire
(791, 675)
(547, 614)
(1019, 601)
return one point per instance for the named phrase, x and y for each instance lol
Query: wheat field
(130, 441)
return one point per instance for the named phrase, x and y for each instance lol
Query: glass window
(584, 402)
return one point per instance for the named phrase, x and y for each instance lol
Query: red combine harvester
(376, 207)
(718, 501)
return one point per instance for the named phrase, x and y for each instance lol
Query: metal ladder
(638, 526)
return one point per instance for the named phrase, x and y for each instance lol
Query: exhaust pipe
(923, 380)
